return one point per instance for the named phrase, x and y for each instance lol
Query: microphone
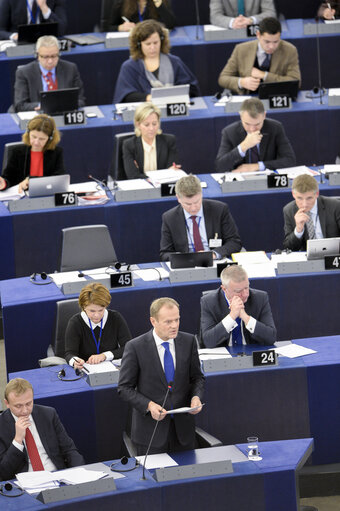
(154, 430)
(198, 22)
(101, 183)
(318, 88)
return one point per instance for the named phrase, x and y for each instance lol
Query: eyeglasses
(48, 57)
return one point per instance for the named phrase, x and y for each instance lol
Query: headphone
(124, 461)
(43, 276)
(61, 375)
(8, 487)
(160, 32)
(46, 120)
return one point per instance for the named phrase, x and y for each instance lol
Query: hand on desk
(96, 359)
(194, 403)
(247, 167)
(126, 26)
(328, 14)
(157, 412)
(78, 363)
(174, 166)
(2, 183)
(23, 185)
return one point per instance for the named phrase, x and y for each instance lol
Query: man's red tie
(197, 237)
(33, 451)
(50, 83)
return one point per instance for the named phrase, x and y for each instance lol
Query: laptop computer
(191, 259)
(57, 102)
(28, 34)
(48, 185)
(320, 248)
(171, 94)
(291, 88)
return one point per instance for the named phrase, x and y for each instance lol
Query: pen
(329, 7)
(125, 19)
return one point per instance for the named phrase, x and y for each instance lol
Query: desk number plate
(264, 358)
(332, 263)
(277, 181)
(174, 109)
(279, 101)
(123, 279)
(167, 189)
(65, 199)
(74, 117)
(251, 30)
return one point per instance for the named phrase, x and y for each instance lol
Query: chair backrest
(8, 149)
(86, 247)
(117, 167)
(199, 336)
(65, 310)
(105, 12)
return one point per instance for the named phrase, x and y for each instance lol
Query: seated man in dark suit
(32, 436)
(21, 12)
(195, 224)
(235, 314)
(48, 72)
(267, 59)
(153, 363)
(254, 143)
(309, 216)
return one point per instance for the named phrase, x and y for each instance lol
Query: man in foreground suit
(310, 215)
(254, 143)
(32, 436)
(267, 59)
(162, 358)
(235, 314)
(21, 12)
(34, 77)
(195, 224)
(235, 14)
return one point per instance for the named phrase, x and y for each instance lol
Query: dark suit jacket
(28, 84)
(275, 149)
(14, 13)
(142, 380)
(18, 166)
(58, 445)
(214, 308)
(164, 15)
(133, 152)
(329, 216)
(217, 219)
(284, 65)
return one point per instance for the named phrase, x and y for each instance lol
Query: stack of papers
(293, 172)
(257, 264)
(134, 184)
(213, 353)
(93, 193)
(156, 177)
(104, 367)
(330, 168)
(11, 193)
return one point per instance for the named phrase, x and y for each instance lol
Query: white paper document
(294, 351)
(150, 274)
(157, 461)
(330, 168)
(134, 184)
(251, 257)
(165, 176)
(68, 276)
(256, 270)
(213, 353)
(104, 367)
(291, 257)
(79, 475)
(293, 172)
(183, 409)
(11, 193)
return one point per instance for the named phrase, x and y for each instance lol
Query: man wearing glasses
(48, 72)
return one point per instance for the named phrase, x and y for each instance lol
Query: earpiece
(6, 488)
(46, 120)
(44, 277)
(62, 375)
(124, 461)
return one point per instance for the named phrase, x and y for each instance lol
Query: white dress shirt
(229, 324)
(161, 348)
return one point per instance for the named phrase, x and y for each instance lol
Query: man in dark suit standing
(162, 358)
(22, 12)
(234, 314)
(195, 224)
(309, 216)
(254, 143)
(32, 436)
(48, 72)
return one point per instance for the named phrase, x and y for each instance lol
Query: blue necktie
(237, 333)
(169, 367)
(240, 6)
(266, 63)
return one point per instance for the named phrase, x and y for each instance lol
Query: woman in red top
(38, 156)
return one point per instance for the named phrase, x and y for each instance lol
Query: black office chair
(199, 337)
(8, 149)
(117, 165)
(105, 12)
(86, 247)
(56, 350)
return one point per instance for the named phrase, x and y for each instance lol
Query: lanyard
(141, 15)
(33, 19)
(192, 245)
(100, 334)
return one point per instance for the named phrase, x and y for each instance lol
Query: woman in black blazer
(136, 156)
(40, 156)
(126, 13)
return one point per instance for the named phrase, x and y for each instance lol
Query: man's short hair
(253, 106)
(18, 386)
(188, 186)
(270, 26)
(305, 183)
(94, 293)
(157, 304)
(46, 40)
(235, 273)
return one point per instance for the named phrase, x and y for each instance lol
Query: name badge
(215, 243)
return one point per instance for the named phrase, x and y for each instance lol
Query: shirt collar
(188, 215)
(159, 341)
(147, 147)
(86, 319)
(45, 71)
(314, 210)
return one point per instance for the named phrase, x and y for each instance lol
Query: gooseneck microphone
(154, 431)
(101, 183)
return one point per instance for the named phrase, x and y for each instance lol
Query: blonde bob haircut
(143, 31)
(95, 294)
(19, 386)
(157, 304)
(45, 124)
(142, 112)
